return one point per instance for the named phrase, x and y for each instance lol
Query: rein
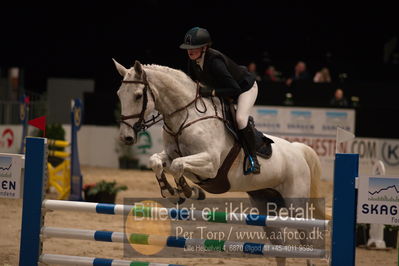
(185, 125)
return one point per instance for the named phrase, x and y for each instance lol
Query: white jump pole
(89, 261)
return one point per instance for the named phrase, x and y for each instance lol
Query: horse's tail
(313, 161)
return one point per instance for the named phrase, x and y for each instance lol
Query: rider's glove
(207, 92)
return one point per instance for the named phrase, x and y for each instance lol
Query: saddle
(263, 143)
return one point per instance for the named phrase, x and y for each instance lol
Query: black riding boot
(247, 136)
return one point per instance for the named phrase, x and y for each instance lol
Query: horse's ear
(121, 69)
(138, 68)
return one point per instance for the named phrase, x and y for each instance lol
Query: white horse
(196, 141)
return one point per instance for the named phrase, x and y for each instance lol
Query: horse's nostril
(129, 139)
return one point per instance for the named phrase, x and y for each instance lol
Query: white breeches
(245, 102)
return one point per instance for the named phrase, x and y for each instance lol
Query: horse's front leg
(158, 162)
(201, 164)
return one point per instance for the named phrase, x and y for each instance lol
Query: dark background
(78, 41)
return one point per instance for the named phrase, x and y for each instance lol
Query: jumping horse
(199, 146)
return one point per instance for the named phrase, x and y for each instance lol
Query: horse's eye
(138, 97)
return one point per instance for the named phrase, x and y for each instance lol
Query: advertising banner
(10, 138)
(378, 200)
(303, 121)
(10, 175)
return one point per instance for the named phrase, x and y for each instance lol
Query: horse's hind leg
(259, 199)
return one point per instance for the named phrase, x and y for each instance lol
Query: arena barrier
(66, 177)
(343, 236)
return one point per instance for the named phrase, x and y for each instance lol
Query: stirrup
(251, 167)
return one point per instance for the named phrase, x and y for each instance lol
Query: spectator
(252, 69)
(288, 99)
(339, 100)
(322, 76)
(271, 74)
(300, 73)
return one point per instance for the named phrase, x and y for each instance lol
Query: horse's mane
(177, 73)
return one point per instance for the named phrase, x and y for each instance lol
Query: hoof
(177, 201)
(200, 193)
(181, 201)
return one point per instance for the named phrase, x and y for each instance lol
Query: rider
(220, 76)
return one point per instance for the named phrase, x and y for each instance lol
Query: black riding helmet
(196, 38)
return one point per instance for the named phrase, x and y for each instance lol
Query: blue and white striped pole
(185, 214)
(343, 248)
(186, 243)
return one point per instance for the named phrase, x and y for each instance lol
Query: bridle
(141, 124)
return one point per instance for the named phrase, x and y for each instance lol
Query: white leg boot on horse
(259, 199)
